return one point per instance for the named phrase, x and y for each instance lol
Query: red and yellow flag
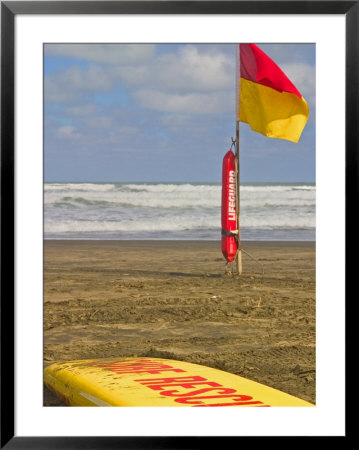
(268, 101)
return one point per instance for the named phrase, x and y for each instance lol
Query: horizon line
(169, 182)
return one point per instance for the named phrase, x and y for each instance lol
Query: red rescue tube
(229, 213)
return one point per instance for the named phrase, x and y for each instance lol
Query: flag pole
(239, 251)
(238, 80)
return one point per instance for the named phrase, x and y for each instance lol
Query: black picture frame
(9, 9)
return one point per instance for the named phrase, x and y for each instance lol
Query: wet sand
(175, 299)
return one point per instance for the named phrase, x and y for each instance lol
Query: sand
(175, 299)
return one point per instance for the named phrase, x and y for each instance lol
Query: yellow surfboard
(157, 382)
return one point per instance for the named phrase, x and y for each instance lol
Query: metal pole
(239, 252)
(238, 90)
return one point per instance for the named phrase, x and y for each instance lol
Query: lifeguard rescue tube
(229, 213)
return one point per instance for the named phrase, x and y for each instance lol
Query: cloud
(303, 77)
(76, 83)
(192, 69)
(112, 54)
(71, 83)
(188, 70)
(81, 110)
(99, 122)
(67, 132)
(192, 103)
(198, 67)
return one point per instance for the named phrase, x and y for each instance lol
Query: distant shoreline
(184, 182)
(171, 211)
(254, 241)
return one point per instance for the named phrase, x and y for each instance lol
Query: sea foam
(175, 211)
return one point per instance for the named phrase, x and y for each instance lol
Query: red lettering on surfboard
(140, 370)
(140, 362)
(192, 398)
(140, 366)
(198, 400)
(158, 384)
(160, 387)
(170, 380)
(156, 372)
(218, 390)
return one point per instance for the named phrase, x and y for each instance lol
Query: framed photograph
(115, 119)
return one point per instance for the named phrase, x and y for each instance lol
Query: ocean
(191, 211)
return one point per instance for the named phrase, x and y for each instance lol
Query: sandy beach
(175, 299)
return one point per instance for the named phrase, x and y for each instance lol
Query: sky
(163, 113)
